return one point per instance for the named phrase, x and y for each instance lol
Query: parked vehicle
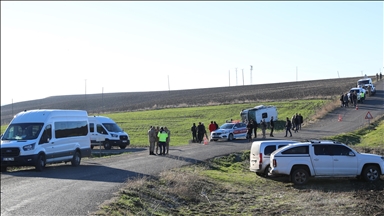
(325, 159)
(258, 113)
(260, 152)
(364, 82)
(105, 132)
(358, 91)
(40, 137)
(230, 131)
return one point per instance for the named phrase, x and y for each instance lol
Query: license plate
(8, 159)
(124, 141)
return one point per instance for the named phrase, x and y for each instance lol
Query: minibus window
(47, 135)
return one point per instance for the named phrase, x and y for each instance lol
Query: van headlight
(114, 135)
(29, 147)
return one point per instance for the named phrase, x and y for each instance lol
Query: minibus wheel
(107, 145)
(40, 163)
(76, 159)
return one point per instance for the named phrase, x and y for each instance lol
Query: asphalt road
(65, 190)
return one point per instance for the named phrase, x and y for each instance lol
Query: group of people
(159, 138)
(199, 131)
(377, 76)
(352, 99)
(294, 123)
(252, 128)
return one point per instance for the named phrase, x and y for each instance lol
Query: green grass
(371, 136)
(179, 120)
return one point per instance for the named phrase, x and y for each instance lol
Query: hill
(133, 101)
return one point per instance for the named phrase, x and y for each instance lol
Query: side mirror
(351, 153)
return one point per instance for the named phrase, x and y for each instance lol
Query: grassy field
(179, 120)
(225, 186)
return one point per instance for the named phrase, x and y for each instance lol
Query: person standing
(293, 121)
(297, 123)
(301, 120)
(152, 139)
(194, 131)
(168, 139)
(162, 135)
(272, 126)
(157, 139)
(249, 130)
(254, 128)
(377, 77)
(217, 126)
(342, 100)
(346, 99)
(211, 127)
(288, 126)
(200, 132)
(381, 75)
(263, 126)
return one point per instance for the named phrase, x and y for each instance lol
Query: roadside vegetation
(225, 186)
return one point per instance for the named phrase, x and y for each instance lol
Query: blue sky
(65, 48)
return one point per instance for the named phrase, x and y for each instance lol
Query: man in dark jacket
(200, 132)
(272, 126)
(194, 131)
(288, 126)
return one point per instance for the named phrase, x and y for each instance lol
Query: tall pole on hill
(338, 74)
(85, 94)
(236, 76)
(251, 76)
(169, 88)
(229, 78)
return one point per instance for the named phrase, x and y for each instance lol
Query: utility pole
(229, 78)
(85, 94)
(251, 75)
(338, 74)
(242, 71)
(102, 99)
(236, 76)
(169, 88)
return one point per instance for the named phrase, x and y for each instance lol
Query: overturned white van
(39, 137)
(258, 113)
(105, 132)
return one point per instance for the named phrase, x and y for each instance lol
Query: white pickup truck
(324, 159)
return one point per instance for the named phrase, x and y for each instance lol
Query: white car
(230, 131)
(358, 90)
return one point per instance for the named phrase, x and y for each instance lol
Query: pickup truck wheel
(76, 159)
(230, 137)
(299, 176)
(371, 173)
(107, 145)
